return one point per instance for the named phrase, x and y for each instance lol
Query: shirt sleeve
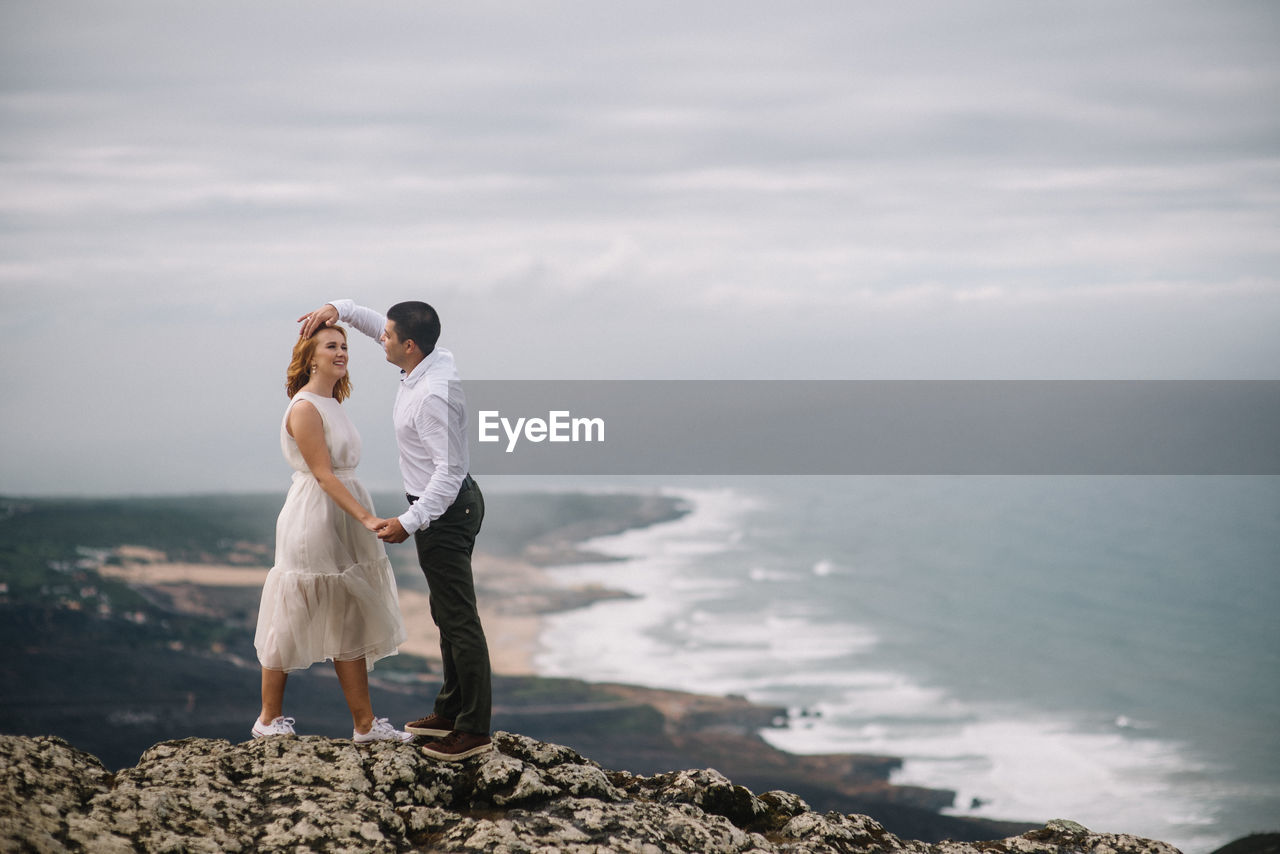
(432, 423)
(365, 320)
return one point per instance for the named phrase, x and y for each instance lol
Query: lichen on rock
(317, 794)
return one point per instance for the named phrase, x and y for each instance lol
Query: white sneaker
(280, 726)
(382, 730)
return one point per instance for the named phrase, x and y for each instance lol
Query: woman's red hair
(300, 368)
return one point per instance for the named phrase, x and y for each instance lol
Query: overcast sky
(682, 190)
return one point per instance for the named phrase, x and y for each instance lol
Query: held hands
(391, 531)
(388, 530)
(326, 315)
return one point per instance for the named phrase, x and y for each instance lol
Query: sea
(1102, 649)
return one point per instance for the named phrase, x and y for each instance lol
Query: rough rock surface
(318, 794)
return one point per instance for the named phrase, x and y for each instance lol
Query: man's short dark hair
(418, 322)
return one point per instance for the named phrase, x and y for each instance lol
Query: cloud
(991, 190)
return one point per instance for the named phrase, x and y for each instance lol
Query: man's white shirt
(431, 424)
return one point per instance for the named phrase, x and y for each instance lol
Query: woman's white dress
(332, 593)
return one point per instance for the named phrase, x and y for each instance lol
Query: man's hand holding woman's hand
(388, 530)
(325, 315)
(391, 531)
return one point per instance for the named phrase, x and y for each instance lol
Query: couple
(332, 594)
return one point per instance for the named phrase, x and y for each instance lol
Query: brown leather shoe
(430, 725)
(458, 745)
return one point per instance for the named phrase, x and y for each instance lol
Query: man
(444, 515)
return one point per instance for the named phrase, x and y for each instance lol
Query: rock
(1254, 843)
(46, 782)
(317, 794)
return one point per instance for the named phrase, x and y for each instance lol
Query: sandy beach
(118, 670)
(512, 595)
(513, 586)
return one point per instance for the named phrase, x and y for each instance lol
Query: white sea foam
(1033, 768)
(687, 631)
(759, 573)
(665, 625)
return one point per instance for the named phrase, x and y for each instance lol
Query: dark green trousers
(444, 553)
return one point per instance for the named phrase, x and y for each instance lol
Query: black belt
(467, 483)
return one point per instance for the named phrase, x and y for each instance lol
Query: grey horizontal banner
(788, 427)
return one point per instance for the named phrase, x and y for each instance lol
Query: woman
(331, 593)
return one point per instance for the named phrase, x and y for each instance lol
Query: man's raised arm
(365, 320)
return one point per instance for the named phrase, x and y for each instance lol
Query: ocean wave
(747, 595)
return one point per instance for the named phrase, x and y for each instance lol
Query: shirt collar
(413, 377)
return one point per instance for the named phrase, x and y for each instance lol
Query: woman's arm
(307, 429)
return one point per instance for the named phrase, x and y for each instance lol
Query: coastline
(515, 590)
(114, 669)
(512, 626)
(510, 611)
(158, 638)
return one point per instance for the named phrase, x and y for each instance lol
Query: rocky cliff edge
(318, 794)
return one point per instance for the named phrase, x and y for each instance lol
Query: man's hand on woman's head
(325, 315)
